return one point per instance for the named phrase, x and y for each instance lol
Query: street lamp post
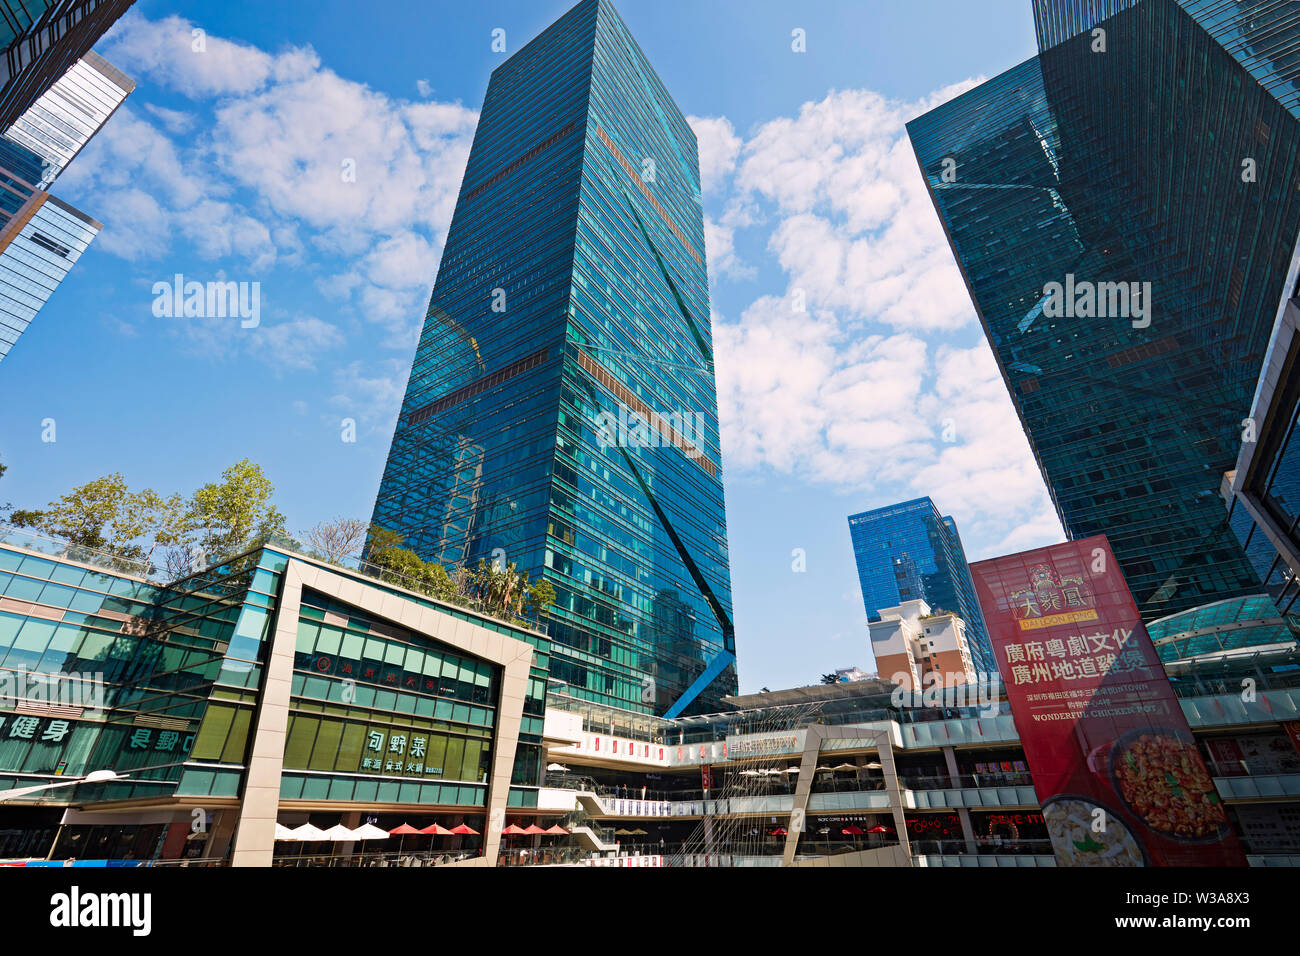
(95, 776)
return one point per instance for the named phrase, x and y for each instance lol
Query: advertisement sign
(1114, 764)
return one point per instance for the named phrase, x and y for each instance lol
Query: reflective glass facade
(41, 237)
(1084, 168)
(561, 411)
(377, 714)
(908, 552)
(40, 40)
(56, 127)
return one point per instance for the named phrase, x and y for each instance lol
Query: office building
(41, 41)
(1124, 211)
(41, 237)
(561, 412)
(57, 126)
(909, 552)
(256, 692)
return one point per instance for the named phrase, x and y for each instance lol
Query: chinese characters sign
(1115, 767)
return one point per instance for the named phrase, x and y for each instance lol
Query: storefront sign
(1114, 763)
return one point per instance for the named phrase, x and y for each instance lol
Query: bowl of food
(1083, 837)
(1160, 778)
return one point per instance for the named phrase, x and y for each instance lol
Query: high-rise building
(41, 237)
(910, 552)
(1125, 210)
(41, 40)
(69, 113)
(567, 346)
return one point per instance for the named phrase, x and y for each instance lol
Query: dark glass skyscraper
(40, 40)
(908, 552)
(561, 411)
(1124, 209)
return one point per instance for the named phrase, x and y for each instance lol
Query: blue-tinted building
(271, 686)
(1126, 222)
(909, 552)
(561, 412)
(41, 237)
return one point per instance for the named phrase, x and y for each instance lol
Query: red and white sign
(1115, 766)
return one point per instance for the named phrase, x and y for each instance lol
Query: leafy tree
(160, 522)
(540, 597)
(88, 515)
(399, 566)
(379, 539)
(236, 513)
(438, 582)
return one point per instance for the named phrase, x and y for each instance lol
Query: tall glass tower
(561, 411)
(1125, 210)
(908, 552)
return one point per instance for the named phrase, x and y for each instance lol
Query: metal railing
(380, 859)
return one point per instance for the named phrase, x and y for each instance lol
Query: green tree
(541, 595)
(380, 539)
(399, 566)
(437, 582)
(90, 515)
(236, 513)
(156, 521)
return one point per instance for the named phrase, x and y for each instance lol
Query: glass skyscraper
(561, 412)
(41, 40)
(1125, 210)
(41, 237)
(909, 552)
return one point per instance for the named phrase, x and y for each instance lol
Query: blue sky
(225, 164)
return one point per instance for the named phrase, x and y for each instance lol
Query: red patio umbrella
(853, 830)
(533, 829)
(879, 829)
(780, 831)
(464, 830)
(402, 831)
(435, 830)
(557, 830)
(513, 830)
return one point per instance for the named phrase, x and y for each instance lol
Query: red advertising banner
(1114, 764)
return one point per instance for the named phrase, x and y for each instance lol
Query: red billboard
(1114, 764)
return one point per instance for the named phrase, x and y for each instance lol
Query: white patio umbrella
(556, 766)
(371, 832)
(791, 769)
(283, 833)
(340, 834)
(308, 833)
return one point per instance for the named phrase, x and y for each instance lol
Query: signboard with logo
(1114, 764)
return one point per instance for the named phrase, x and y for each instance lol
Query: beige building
(910, 643)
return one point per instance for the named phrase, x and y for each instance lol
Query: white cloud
(295, 344)
(371, 393)
(293, 158)
(718, 148)
(864, 390)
